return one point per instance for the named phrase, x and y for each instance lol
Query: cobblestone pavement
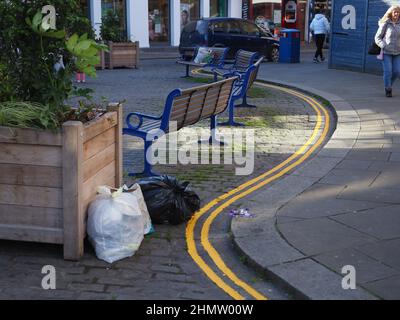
(162, 268)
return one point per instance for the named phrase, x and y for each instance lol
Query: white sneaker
(315, 60)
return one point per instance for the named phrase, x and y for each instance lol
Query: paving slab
(385, 251)
(386, 288)
(367, 269)
(315, 236)
(348, 177)
(320, 284)
(381, 223)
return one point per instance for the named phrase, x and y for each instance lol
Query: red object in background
(289, 14)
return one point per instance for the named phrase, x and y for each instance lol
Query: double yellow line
(242, 191)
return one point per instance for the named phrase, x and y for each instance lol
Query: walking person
(388, 39)
(320, 28)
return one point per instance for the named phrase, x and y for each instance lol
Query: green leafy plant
(37, 63)
(110, 28)
(27, 115)
(86, 53)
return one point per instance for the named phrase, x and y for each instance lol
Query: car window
(233, 27)
(250, 29)
(219, 27)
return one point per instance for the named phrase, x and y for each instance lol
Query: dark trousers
(319, 41)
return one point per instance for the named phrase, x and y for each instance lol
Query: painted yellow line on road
(206, 226)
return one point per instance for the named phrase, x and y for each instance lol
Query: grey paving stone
(283, 190)
(375, 194)
(316, 281)
(382, 223)
(395, 157)
(317, 167)
(305, 208)
(388, 178)
(388, 288)
(349, 176)
(86, 287)
(367, 269)
(320, 235)
(368, 155)
(354, 164)
(384, 165)
(275, 250)
(96, 296)
(385, 251)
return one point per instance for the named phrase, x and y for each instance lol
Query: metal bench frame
(218, 61)
(239, 91)
(187, 107)
(243, 60)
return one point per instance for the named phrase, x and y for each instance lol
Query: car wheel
(274, 55)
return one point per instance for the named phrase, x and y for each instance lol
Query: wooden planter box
(102, 64)
(47, 180)
(122, 54)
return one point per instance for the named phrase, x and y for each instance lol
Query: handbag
(374, 49)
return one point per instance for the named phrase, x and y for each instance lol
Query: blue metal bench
(243, 60)
(240, 88)
(184, 107)
(218, 59)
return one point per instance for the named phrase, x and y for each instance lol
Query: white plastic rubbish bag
(115, 224)
(137, 192)
(204, 55)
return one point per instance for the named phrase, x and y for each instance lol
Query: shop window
(218, 8)
(190, 11)
(267, 14)
(159, 20)
(119, 7)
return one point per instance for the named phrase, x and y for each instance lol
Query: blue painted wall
(350, 43)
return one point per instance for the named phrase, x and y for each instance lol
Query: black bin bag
(167, 199)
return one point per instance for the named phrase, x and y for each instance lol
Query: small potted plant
(54, 153)
(121, 51)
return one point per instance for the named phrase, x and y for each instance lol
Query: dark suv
(233, 33)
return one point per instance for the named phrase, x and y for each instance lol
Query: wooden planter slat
(28, 175)
(45, 188)
(98, 126)
(29, 195)
(36, 234)
(106, 176)
(98, 143)
(98, 161)
(123, 54)
(30, 154)
(30, 136)
(34, 216)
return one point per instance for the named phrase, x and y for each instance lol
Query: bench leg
(213, 138)
(187, 75)
(244, 103)
(148, 167)
(231, 121)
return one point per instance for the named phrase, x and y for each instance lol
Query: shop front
(276, 14)
(158, 23)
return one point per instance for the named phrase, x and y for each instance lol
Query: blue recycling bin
(289, 46)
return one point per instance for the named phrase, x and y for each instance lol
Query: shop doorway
(159, 23)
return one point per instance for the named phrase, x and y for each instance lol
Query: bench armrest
(228, 74)
(141, 116)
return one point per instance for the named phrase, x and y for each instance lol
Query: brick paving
(162, 268)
